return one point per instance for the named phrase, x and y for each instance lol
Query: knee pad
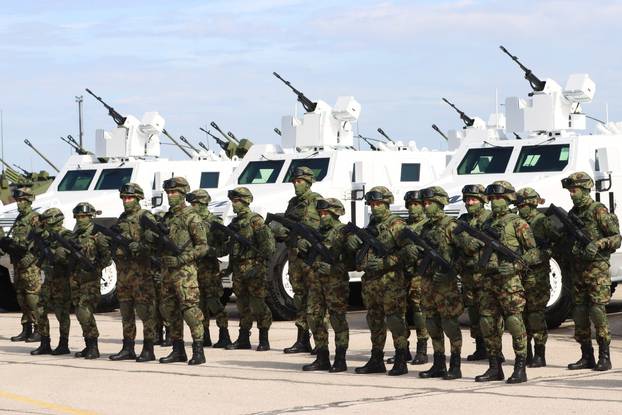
(396, 323)
(515, 325)
(82, 313)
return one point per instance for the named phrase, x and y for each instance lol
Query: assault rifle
(491, 244)
(219, 227)
(74, 251)
(429, 253)
(162, 233)
(14, 249)
(369, 242)
(42, 246)
(572, 224)
(534, 81)
(114, 234)
(300, 230)
(307, 104)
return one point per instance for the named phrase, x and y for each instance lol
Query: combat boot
(147, 354)
(529, 358)
(35, 337)
(409, 356)
(264, 343)
(604, 358)
(178, 354)
(126, 353)
(44, 347)
(421, 355)
(302, 344)
(399, 366)
(374, 365)
(587, 360)
(538, 356)
(519, 375)
(339, 365)
(480, 350)
(197, 353)
(62, 348)
(438, 369)
(223, 338)
(207, 340)
(92, 351)
(242, 343)
(321, 362)
(82, 352)
(454, 371)
(25, 334)
(494, 372)
(167, 342)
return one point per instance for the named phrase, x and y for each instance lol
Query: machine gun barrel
(29, 144)
(368, 141)
(438, 130)
(185, 140)
(222, 144)
(468, 121)
(536, 83)
(118, 118)
(176, 143)
(228, 138)
(385, 135)
(23, 170)
(276, 130)
(203, 146)
(233, 137)
(81, 150)
(307, 104)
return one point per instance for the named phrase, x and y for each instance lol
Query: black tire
(108, 300)
(8, 297)
(558, 311)
(280, 302)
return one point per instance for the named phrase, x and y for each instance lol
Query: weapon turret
(385, 135)
(29, 144)
(438, 130)
(468, 121)
(536, 84)
(307, 104)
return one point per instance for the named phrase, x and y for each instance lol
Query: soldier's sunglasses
(232, 194)
(129, 189)
(373, 196)
(472, 189)
(496, 189)
(18, 193)
(191, 198)
(567, 183)
(172, 183)
(427, 193)
(413, 196)
(322, 205)
(83, 210)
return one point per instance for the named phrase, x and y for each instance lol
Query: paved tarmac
(249, 382)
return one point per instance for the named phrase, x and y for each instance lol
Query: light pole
(80, 133)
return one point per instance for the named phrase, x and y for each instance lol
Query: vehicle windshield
(542, 158)
(485, 160)
(209, 180)
(76, 180)
(260, 172)
(319, 167)
(113, 179)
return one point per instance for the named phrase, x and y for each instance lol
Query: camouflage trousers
(157, 283)
(27, 287)
(136, 294)
(414, 298)
(471, 293)
(249, 287)
(442, 303)
(180, 302)
(55, 295)
(210, 286)
(537, 293)
(300, 275)
(385, 299)
(329, 294)
(591, 292)
(503, 300)
(85, 295)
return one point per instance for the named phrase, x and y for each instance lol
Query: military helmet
(85, 208)
(131, 189)
(304, 173)
(436, 194)
(332, 205)
(379, 193)
(475, 190)
(23, 193)
(501, 187)
(528, 196)
(579, 179)
(241, 193)
(199, 196)
(413, 196)
(177, 183)
(52, 216)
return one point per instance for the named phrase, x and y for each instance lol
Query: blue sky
(196, 61)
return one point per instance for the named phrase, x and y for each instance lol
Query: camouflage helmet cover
(131, 189)
(528, 196)
(304, 173)
(435, 194)
(332, 205)
(23, 193)
(503, 188)
(241, 193)
(474, 190)
(52, 216)
(177, 183)
(379, 193)
(578, 179)
(199, 196)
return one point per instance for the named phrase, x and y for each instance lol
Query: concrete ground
(248, 382)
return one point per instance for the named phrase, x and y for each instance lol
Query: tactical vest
(589, 219)
(384, 233)
(302, 209)
(177, 224)
(504, 229)
(436, 233)
(242, 226)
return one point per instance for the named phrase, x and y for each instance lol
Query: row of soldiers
(432, 262)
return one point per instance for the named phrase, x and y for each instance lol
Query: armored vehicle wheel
(560, 303)
(280, 297)
(8, 297)
(108, 301)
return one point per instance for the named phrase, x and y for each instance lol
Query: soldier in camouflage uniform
(55, 291)
(536, 280)
(474, 197)
(503, 293)
(329, 291)
(180, 287)
(383, 289)
(300, 208)
(250, 267)
(85, 281)
(27, 275)
(135, 287)
(163, 332)
(210, 279)
(592, 281)
(442, 300)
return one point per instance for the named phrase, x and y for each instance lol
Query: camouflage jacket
(515, 233)
(129, 226)
(388, 232)
(439, 233)
(187, 231)
(251, 226)
(335, 241)
(94, 246)
(470, 250)
(300, 209)
(216, 241)
(601, 226)
(544, 235)
(24, 224)
(416, 224)
(60, 266)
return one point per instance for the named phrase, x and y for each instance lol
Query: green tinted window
(259, 172)
(542, 158)
(319, 167)
(76, 180)
(485, 160)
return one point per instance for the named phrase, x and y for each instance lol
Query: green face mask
(415, 210)
(131, 206)
(380, 210)
(433, 210)
(498, 206)
(238, 206)
(175, 200)
(83, 223)
(301, 188)
(326, 220)
(23, 206)
(580, 198)
(525, 211)
(475, 208)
